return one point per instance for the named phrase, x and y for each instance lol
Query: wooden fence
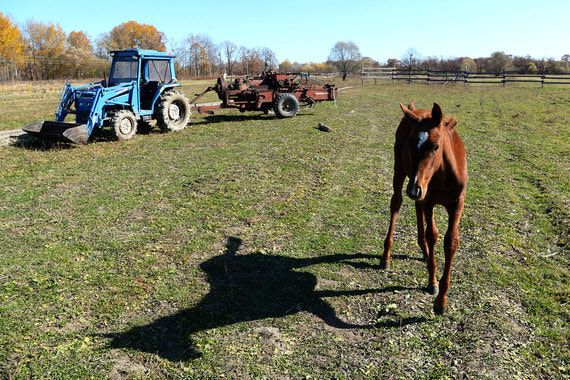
(431, 76)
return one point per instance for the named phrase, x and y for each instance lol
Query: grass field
(248, 247)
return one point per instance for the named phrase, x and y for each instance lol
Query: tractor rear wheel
(286, 105)
(124, 123)
(173, 111)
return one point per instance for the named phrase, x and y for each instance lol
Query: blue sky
(306, 30)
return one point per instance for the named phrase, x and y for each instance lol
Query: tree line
(497, 63)
(39, 50)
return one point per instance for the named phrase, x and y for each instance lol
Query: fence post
(542, 78)
(504, 78)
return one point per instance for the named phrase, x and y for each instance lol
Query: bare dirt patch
(125, 368)
(11, 137)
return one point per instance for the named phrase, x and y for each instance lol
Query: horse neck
(450, 162)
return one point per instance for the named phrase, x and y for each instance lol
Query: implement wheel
(286, 105)
(173, 111)
(124, 123)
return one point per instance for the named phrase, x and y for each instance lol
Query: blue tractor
(142, 86)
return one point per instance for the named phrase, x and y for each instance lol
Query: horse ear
(450, 123)
(409, 114)
(436, 113)
(411, 106)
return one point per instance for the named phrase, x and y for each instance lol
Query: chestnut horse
(430, 153)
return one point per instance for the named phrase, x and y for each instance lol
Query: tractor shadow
(245, 288)
(228, 118)
(25, 141)
(28, 142)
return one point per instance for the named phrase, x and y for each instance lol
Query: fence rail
(465, 77)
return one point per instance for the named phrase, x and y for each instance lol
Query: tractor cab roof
(142, 53)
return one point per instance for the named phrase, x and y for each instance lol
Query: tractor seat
(148, 90)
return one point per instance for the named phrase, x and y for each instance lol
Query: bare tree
(229, 54)
(243, 54)
(199, 55)
(410, 58)
(251, 61)
(345, 55)
(269, 58)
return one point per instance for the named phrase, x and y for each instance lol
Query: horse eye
(435, 147)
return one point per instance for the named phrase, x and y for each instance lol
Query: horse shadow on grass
(366, 265)
(246, 288)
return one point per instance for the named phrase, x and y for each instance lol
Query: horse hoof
(433, 290)
(385, 265)
(439, 309)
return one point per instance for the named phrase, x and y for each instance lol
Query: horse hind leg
(451, 243)
(395, 204)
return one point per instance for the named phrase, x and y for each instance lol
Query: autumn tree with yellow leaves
(131, 34)
(12, 56)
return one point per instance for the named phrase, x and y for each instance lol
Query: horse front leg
(432, 235)
(420, 221)
(395, 204)
(451, 243)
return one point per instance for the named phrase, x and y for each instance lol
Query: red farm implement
(284, 93)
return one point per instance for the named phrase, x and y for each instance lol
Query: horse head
(427, 136)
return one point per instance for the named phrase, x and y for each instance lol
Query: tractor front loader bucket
(58, 131)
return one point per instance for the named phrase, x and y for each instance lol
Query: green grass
(113, 260)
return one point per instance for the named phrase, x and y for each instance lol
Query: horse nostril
(414, 191)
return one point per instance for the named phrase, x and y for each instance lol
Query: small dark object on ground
(323, 127)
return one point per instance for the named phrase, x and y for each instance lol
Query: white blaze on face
(422, 138)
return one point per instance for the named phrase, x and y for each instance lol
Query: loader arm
(116, 96)
(65, 102)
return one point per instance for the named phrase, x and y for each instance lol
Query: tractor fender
(161, 90)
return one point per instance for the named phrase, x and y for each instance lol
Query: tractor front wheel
(173, 111)
(286, 105)
(124, 123)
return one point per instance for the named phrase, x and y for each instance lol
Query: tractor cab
(149, 69)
